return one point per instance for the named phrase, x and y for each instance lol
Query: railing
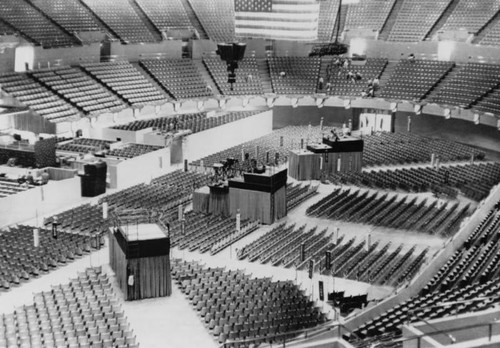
(282, 339)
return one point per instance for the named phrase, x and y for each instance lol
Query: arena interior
(249, 173)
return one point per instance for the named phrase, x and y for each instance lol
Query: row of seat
(473, 180)
(471, 15)
(84, 313)
(234, 306)
(472, 272)
(381, 210)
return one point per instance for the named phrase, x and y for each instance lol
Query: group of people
(372, 86)
(28, 179)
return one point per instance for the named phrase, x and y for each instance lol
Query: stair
(343, 15)
(265, 75)
(391, 19)
(194, 20)
(152, 80)
(206, 76)
(486, 28)
(386, 75)
(145, 19)
(442, 20)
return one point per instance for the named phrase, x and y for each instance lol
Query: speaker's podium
(140, 257)
(259, 196)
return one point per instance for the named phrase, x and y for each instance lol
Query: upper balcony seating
(415, 19)
(40, 99)
(216, 17)
(368, 14)
(300, 74)
(121, 18)
(327, 15)
(165, 14)
(33, 25)
(247, 76)
(126, 81)
(412, 80)
(80, 89)
(236, 306)
(70, 14)
(470, 83)
(180, 77)
(471, 15)
(492, 37)
(341, 85)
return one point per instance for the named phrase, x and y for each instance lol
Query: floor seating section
(216, 17)
(271, 143)
(235, 306)
(165, 14)
(131, 150)
(126, 81)
(341, 85)
(467, 85)
(382, 209)
(84, 145)
(208, 233)
(471, 15)
(38, 97)
(195, 122)
(413, 80)
(247, 76)
(34, 26)
(368, 14)
(472, 272)
(492, 37)
(85, 219)
(11, 187)
(403, 148)
(473, 180)
(83, 313)
(282, 246)
(415, 19)
(80, 89)
(296, 194)
(69, 14)
(180, 77)
(328, 11)
(21, 260)
(121, 17)
(301, 74)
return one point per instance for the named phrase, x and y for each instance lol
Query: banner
(302, 252)
(36, 238)
(311, 268)
(321, 291)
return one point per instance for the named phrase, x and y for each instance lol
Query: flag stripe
(277, 19)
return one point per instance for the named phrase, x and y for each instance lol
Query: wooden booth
(259, 196)
(341, 155)
(140, 257)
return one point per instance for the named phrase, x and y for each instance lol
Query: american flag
(277, 19)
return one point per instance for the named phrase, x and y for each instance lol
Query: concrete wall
(202, 144)
(134, 52)
(66, 55)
